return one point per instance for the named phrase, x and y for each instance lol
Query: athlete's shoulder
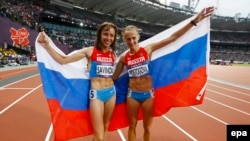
(147, 49)
(87, 50)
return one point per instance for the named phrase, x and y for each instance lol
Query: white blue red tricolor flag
(180, 72)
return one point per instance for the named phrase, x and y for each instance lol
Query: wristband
(193, 23)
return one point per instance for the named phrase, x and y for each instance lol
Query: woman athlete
(101, 67)
(137, 61)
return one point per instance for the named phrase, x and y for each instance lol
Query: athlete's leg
(108, 111)
(132, 108)
(96, 114)
(147, 110)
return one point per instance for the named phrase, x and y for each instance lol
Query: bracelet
(193, 23)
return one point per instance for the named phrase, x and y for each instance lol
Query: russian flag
(180, 72)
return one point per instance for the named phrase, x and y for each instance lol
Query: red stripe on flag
(119, 118)
(69, 124)
(182, 93)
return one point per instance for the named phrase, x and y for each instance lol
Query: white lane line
(49, 133)
(247, 94)
(230, 83)
(121, 135)
(228, 106)
(19, 99)
(209, 115)
(16, 88)
(20, 80)
(182, 130)
(248, 102)
(51, 129)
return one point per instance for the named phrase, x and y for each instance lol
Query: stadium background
(72, 25)
(29, 118)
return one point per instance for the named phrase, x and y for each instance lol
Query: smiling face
(131, 36)
(106, 36)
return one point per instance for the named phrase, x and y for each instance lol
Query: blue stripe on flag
(177, 66)
(71, 93)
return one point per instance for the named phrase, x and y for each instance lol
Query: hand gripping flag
(179, 78)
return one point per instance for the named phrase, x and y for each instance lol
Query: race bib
(92, 94)
(138, 71)
(102, 70)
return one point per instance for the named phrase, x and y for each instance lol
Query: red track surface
(24, 114)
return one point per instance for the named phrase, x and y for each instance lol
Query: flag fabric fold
(180, 72)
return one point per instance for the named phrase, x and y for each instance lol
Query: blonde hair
(131, 27)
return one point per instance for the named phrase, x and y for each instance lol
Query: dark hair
(106, 26)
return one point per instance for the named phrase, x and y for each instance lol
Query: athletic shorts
(102, 94)
(140, 96)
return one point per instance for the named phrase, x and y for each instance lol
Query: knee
(106, 125)
(147, 128)
(133, 124)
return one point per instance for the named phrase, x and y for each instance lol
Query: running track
(24, 114)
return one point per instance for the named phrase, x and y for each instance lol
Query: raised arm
(202, 15)
(43, 40)
(118, 69)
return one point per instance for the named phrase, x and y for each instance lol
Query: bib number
(92, 94)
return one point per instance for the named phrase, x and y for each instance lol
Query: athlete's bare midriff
(143, 83)
(101, 82)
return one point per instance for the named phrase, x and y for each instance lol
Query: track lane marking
(19, 99)
(248, 102)
(19, 81)
(230, 90)
(177, 126)
(227, 106)
(49, 133)
(230, 83)
(16, 88)
(121, 135)
(47, 138)
(207, 114)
